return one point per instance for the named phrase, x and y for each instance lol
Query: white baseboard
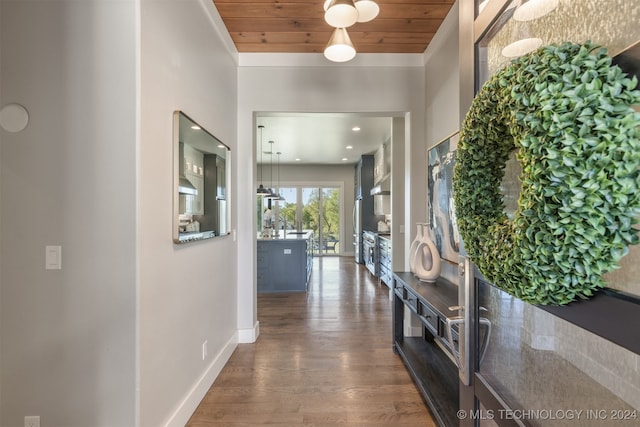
(181, 415)
(249, 335)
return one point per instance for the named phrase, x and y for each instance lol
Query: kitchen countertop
(290, 235)
(383, 234)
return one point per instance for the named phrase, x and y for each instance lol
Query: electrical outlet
(32, 421)
(204, 351)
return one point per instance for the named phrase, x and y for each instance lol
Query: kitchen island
(284, 262)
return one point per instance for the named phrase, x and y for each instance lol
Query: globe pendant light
(340, 48)
(367, 10)
(261, 191)
(340, 13)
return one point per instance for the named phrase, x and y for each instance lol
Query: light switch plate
(53, 257)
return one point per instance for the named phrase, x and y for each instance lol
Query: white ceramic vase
(426, 259)
(414, 246)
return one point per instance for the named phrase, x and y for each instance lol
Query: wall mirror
(200, 182)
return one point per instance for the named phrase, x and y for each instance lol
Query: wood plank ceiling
(298, 26)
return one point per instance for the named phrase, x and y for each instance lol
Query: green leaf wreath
(568, 112)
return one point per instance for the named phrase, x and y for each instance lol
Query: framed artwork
(441, 209)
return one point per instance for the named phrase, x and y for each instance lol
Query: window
(315, 208)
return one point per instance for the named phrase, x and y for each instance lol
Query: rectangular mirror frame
(201, 209)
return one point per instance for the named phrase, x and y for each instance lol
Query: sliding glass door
(315, 208)
(330, 220)
(321, 213)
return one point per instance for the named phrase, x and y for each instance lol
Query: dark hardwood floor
(323, 358)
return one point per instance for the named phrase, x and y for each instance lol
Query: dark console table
(428, 357)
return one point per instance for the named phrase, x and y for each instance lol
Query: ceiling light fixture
(273, 195)
(534, 9)
(261, 191)
(367, 10)
(355, 128)
(524, 38)
(521, 47)
(280, 197)
(340, 48)
(342, 14)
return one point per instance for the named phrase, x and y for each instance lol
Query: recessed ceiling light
(344, 159)
(195, 127)
(349, 147)
(355, 128)
(298, 159)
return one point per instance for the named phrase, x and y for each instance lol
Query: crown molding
(318, 60)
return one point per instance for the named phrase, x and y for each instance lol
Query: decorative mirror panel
(200, 207)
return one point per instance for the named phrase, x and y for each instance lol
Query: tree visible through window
(302, 208)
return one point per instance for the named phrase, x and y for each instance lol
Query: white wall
(442, 84)
(442, 81)
(115, 338)
(68, 336)
(335, 88)
(187, 293)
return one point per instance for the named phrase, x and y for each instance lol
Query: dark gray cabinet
(384, 259)
(364, 218)
(284, 265)
(363, 186)
(214, 217)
